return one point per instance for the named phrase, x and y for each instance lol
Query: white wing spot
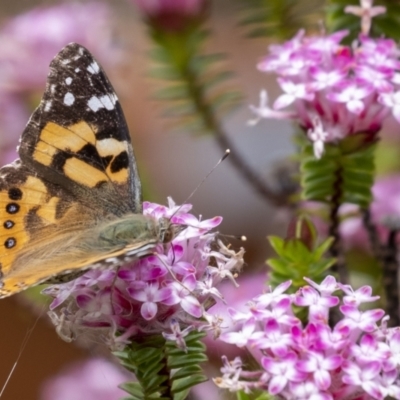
(106, 101)
(80, 50)
(65, 61)
(47, 106)
(52, 88)
(77, 69)
(69, 99)
(93, 68)
(94, 103)
(68, 80)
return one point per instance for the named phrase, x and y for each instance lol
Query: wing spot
(93, 68)
(47, 106)
(68, 80)
(77, 69)
(10, 243)
(8, 224)
(95, 104)
(15, 193)
(106, 101)
(12, 208)
(69, 99)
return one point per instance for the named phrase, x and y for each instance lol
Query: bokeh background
(171, 163)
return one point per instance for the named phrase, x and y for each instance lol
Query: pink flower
(151, 294)
(355, 359)
(334, 90)
(172, 15)
(320, 366)
(94, 379)
(153, 7)
(366, 12)
(282, 371)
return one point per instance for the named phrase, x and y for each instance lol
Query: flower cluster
(336, 90)
(169, 288)
(172, 15)
(355, 359)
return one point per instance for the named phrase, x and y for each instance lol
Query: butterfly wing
(76, 168)
(78, 138)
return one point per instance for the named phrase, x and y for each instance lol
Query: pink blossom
(352, 93)
(173, 285)
(282, 371)
(365, 377)
(318, 305)
(172, 15)
(334, 90)
(242, 337)
(366, 12)
(355, 359)
(154, 7)
(320, 366)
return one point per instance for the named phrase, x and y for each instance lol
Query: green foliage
(254, 396)
(295, 261)
(163, 371)
(345, 171)
(195, 87)
(382, 25)
(279, 19)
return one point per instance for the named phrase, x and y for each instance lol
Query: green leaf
(186, 383)
(347, 168)
(190, 359)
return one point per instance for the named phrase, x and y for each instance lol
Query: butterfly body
(74, 197)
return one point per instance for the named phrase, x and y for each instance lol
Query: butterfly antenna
(21, 350)
(227, 152)
(242, 238)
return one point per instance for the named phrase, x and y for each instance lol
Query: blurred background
(171, 161)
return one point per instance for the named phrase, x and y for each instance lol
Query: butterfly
(74, 197)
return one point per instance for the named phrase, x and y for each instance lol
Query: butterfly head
(168, 230)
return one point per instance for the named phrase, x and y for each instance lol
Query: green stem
(390, 279)
(336, 251)
(372, 235)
